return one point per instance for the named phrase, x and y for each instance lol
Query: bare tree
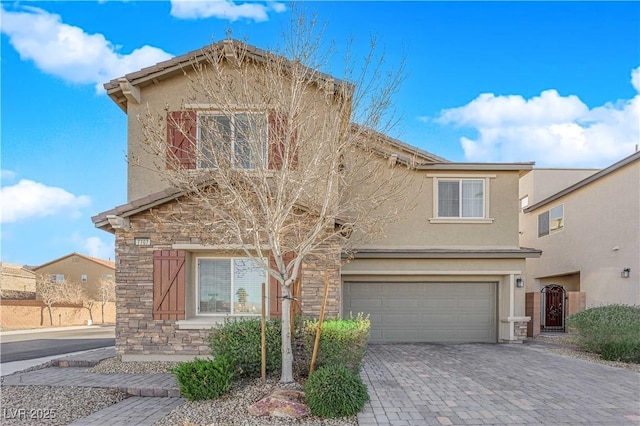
(75, 293)
(292, 160)
(50, 292)
(107, 293)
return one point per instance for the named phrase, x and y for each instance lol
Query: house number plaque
(142, 241)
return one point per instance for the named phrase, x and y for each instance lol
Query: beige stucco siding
(73, 267)
(539, 184)
(601, 236)
(415, 227)
(146, 170)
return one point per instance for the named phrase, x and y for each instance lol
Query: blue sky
(555, 83)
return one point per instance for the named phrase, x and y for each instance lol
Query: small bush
(335, 391)
(611, 331)
(342, 342)
(240, 341)
(203, 378)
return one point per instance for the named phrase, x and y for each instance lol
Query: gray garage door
(425, 312)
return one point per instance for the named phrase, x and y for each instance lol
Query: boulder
(281, 403)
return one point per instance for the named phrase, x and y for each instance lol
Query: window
(551, 221)
(461, 198)
(56, 278)
(239, 139)
(83, 278)
(229, 286)
(524, 202)
(107, 276)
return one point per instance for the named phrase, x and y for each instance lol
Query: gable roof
(117, 88)
(16, 270)
(585, 182)
(97, 260)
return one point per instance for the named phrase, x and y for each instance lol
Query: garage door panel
(366, 304)
(427, 311)
(405, 304)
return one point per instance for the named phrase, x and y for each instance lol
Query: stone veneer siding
(137, 333)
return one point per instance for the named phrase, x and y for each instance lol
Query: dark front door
(553, 298)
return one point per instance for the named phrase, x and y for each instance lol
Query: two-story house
(587, 224)
(75, 267)
(448, 270)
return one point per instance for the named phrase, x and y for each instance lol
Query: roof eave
(518, 167)
(584, 182)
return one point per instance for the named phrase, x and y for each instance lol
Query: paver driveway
(460, 384)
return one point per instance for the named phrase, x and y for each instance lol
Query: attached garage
(425, 311)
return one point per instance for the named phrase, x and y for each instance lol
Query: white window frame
(485, 178)
(558, 218)
(232, 118)
(231, 313)
(524, 202)
(83, 278)
(56, 278)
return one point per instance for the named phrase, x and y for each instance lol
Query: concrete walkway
(477, 384)
(153, 395)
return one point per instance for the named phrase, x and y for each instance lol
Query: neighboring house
(75, 267)
(446, 272)
(587, 224)
(16, 281)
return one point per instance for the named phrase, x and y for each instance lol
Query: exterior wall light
(625, 273)
(519, 282)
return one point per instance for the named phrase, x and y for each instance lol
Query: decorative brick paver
(465, 384)
(137, 411)
(158, 385)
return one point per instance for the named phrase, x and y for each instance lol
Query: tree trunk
(102, 312)
(50, 315)
(287, 353)
(89, 308)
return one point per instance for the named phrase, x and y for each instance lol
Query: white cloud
(28, 199)
(69, 52)
(224, 9)
(550, 129)
(95, 247)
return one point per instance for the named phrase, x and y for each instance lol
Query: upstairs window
(56, 278)
(551, 221)
(239, 140)
(461, 198)
(83, 278)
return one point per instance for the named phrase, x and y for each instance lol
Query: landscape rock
(284, 403)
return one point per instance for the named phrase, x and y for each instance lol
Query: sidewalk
(153, 395)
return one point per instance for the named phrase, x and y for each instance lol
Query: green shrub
(204, 378)
(240, 341)
(342, 342)
(612, 331)
(335, 391)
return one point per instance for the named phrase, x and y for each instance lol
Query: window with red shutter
(278, 142)
(169, 284)
(275, 290)
(181, 139)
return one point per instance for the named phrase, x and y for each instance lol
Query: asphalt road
(30, 344)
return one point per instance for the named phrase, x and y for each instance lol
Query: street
(30, 344)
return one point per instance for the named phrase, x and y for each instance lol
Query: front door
(553, 297)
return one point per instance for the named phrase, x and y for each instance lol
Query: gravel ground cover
(231, 409)
(38, 405)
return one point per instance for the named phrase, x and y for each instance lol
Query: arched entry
(553, 297)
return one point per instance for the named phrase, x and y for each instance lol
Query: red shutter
(275, 290)
(278, 142)
(168, 284)
(181, 139)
